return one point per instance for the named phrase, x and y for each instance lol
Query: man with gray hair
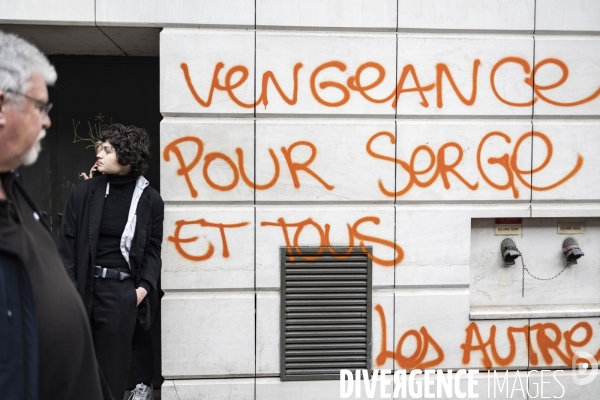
(46, 349)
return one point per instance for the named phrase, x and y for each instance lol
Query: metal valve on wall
(571, 250)
(509, 251)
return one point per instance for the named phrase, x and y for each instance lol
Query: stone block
(274, 389)
(208, 248)
(172, 13)
(320, 226)
(207, 335)
(560, 342)
(268, 333)
(52, 12)
(313, 70)
(565, 159)
(193, 70)
(320, 161)
(567, 76)
(567, 16)
(328, 14)
(433, 330)
(563, 384)
(467, 16)
(198, 389)
(207, 160)
(469, 76)
(463, 161)
(421, 230)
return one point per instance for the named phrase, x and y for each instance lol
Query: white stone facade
(416, 123)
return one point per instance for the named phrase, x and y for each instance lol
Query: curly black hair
(131, 144)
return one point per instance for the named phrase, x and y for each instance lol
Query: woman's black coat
(78, 241)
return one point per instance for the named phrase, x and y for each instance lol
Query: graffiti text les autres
(547, 337)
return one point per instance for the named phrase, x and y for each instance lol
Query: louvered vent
(325, 312)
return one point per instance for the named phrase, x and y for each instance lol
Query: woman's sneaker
(142, 392)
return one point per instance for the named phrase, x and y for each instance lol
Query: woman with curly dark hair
(110, 242)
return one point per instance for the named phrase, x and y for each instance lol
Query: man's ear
(2, 109)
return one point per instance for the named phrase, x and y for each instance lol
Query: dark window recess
(325, 311)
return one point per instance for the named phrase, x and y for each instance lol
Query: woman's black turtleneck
(114, 219)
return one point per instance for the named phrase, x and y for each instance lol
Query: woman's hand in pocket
(141, 293)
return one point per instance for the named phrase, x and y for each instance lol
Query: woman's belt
(108, 273)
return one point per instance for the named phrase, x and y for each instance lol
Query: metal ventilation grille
(325, 312)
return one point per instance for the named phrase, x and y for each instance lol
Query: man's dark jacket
(78, 241)
(19, 346)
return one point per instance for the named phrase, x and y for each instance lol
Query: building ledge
(535, 311)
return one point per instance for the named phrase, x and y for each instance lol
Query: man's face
(22, 125)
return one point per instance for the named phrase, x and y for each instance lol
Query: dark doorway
(90, 92)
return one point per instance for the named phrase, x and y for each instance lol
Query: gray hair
(19, 60)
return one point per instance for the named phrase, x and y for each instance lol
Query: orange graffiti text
(196, 146)
(438, 167)
(354, 233)
(178, 240)
(417, 359)
(547, 337)
(237, 75)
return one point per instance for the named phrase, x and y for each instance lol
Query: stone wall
(402, 125)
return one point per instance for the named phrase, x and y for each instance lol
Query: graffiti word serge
(439, 167)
